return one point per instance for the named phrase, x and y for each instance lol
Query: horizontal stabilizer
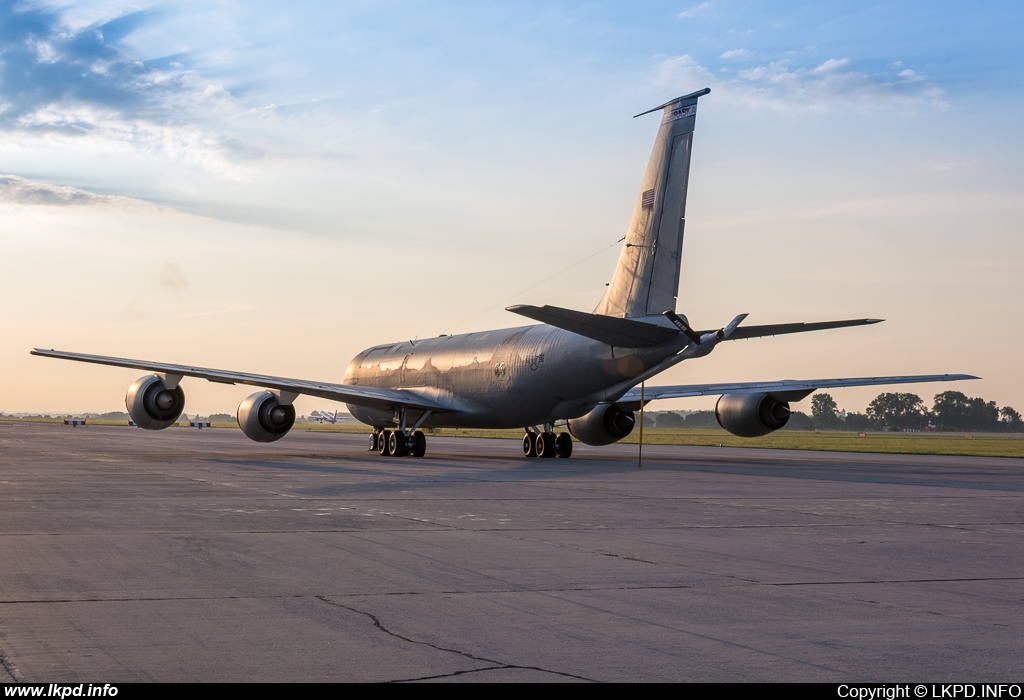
(620, 332)
(782, 328)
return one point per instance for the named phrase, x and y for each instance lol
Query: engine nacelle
(751, 415)
(152, 405)
(606, 424)
(263, 418)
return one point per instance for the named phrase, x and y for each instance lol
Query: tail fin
(646, 280)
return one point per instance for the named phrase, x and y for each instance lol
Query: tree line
(951, 411)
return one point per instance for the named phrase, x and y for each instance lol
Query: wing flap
(371, 397)
(620, 332)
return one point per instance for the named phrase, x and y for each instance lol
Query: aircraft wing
(371, 397)
(785, 389)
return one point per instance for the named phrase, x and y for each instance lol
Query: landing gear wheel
(419, 444)
(382, 442)
(396, 445)
(373, 441)
(563, 445)
(545, 445)
(530, 445)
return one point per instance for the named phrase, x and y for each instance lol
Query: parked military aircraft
(583, 369)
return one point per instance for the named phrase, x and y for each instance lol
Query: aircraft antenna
(546, 279)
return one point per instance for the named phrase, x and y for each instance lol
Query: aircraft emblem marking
(680, 113)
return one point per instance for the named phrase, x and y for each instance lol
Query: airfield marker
(640, 452)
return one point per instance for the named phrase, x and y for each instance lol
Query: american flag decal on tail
(647, 199)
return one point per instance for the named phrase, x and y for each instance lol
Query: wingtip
(873, 320)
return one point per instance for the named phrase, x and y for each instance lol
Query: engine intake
(152, 405)
(263, 418)
(751, 415)
(606, 424)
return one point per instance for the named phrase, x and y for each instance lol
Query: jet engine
(263, 418)
(751, 415)
(604, 425)
(152, 404)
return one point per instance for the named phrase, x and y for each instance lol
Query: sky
(273, 187)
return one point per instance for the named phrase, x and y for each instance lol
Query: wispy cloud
(835, 83)
(43, 64)
(737, 53)
(17, 190)
(696, 10)
(75, 82)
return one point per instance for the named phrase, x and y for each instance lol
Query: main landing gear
(403, 441)
(392, 443)
(546, 444)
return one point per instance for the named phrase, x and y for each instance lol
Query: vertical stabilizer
(646, 280)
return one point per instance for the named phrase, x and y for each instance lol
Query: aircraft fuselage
(508, 378)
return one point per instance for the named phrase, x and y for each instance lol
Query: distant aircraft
(325, 417)
(583, 369)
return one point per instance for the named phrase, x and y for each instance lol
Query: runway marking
(498, 665)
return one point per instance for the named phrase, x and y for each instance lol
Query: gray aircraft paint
(507, 378)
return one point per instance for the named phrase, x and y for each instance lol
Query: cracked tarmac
(200, 556)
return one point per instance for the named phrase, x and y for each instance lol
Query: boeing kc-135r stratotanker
(579, 368)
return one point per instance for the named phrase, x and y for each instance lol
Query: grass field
(988, 445)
